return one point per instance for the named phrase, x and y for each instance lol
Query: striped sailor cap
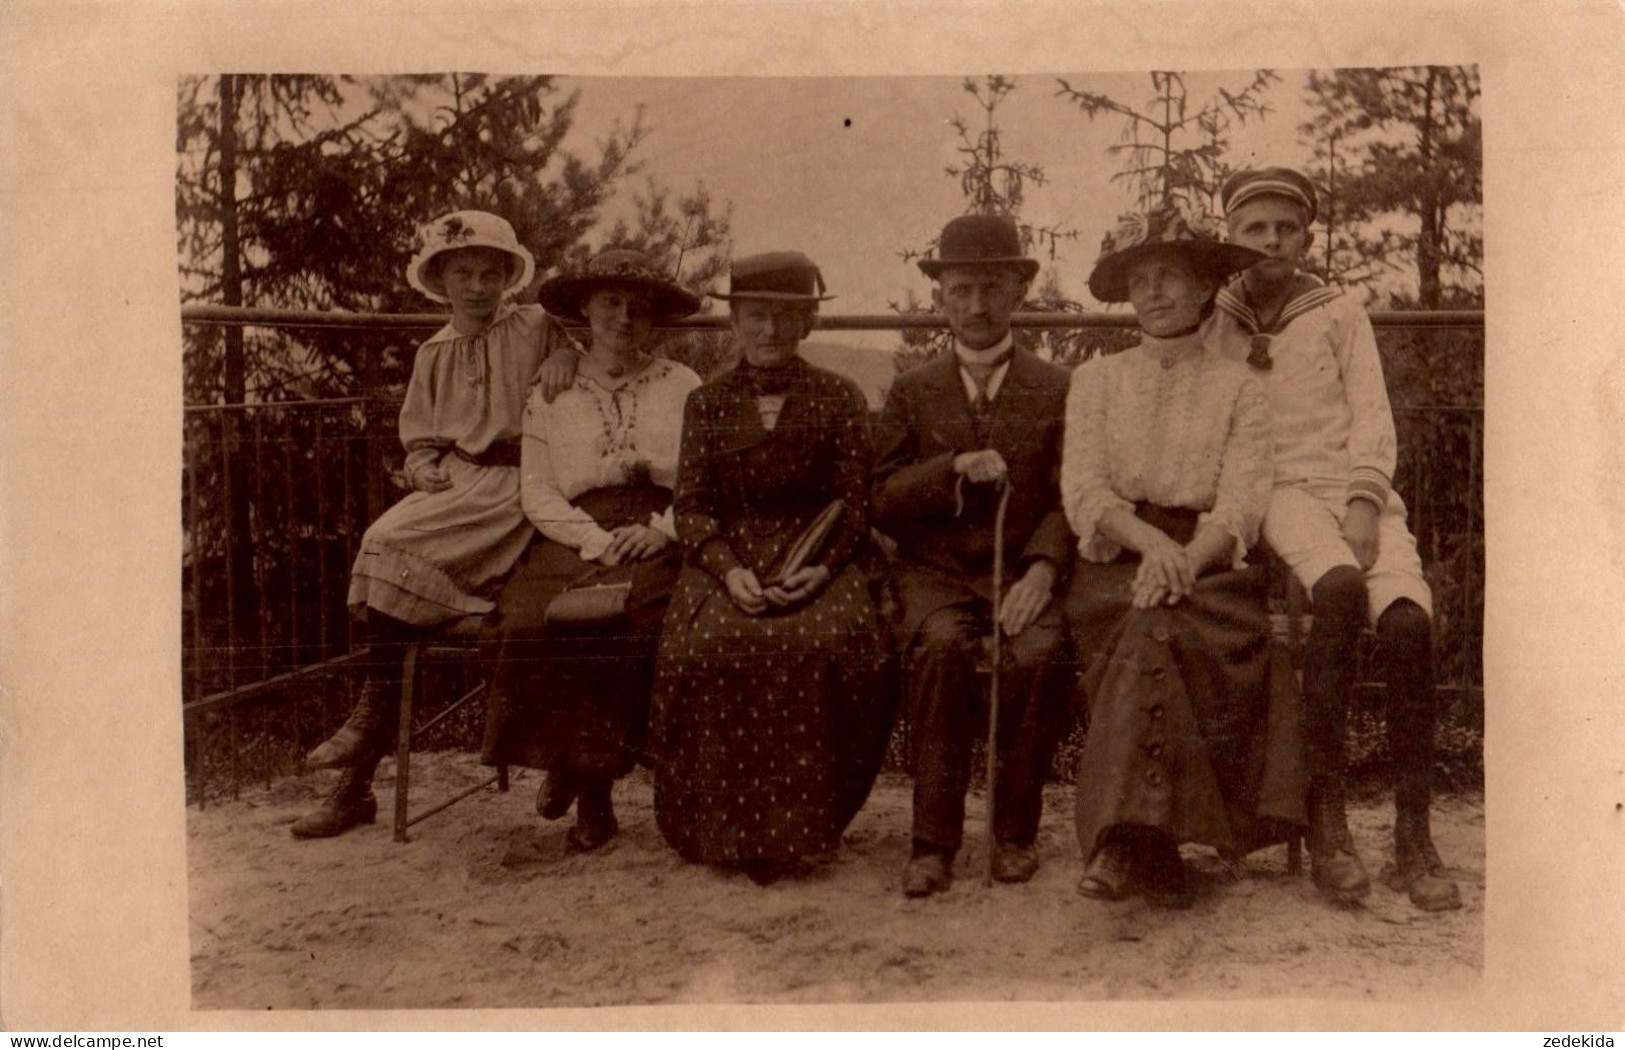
(1249, 183)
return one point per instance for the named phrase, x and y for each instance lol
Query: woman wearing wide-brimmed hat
(1166, 472)
(570, 683)
(768, 725)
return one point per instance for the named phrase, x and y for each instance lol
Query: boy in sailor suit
(1338, 525)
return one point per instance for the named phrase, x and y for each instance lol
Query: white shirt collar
(964, 354)
(983, 357)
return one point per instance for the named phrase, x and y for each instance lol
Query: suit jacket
(944, 528)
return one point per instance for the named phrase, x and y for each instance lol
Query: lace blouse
(1169, 422)
(595, 436)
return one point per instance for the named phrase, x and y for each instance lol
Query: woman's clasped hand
(1165, 574)
(630, 543)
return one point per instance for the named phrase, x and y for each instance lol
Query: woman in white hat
(439, 554)
(570, 689)
(1165, 475)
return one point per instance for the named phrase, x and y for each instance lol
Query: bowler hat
(1168, 228)
(566, 295)
(980, 240)
(787, 276)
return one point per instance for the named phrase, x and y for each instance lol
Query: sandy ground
(485, 907)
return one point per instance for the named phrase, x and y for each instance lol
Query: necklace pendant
(616, 371)
(1168, 362)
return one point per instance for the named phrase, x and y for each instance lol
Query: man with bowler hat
(953, 433)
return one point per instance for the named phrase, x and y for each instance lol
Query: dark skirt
(577, 698)
(767, 731)
(1194, 715)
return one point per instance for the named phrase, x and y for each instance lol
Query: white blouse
(594, 436)
(1169, 422)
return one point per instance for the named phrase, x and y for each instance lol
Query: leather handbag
(810, 544)
(579, 606)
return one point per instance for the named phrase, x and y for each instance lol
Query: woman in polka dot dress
(768, 721)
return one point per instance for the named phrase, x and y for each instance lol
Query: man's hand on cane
(981, 467)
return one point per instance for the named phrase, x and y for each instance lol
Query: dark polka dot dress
(767, 730)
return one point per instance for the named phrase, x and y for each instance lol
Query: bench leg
(1294, 855)
(403, 740)
(502, 778)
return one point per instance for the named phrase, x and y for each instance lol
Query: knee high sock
(1339, 599)
(1405, 638)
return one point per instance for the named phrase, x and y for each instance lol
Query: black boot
(370, 730)
(350, 803)
(557, 795)
(1406, 639)
(1328, 680)
(1416, 868)
(595, 815)
(1161, 872)
(930, 870)
(1333, 865)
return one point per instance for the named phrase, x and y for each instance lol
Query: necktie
(1259, 356)
(981, 406)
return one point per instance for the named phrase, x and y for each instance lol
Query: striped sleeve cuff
(1370, 486)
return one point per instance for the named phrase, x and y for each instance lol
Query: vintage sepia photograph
(832, 540)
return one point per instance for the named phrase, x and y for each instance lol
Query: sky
(853, 196)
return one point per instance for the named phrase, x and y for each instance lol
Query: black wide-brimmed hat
(785, 276)
(1168, 228)
(566, 295)
(980, 240)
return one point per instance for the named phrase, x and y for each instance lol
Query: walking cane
(998, 659)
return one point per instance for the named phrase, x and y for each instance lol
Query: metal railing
(276, 496)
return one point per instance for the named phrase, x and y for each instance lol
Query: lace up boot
(350, 803)
(1333, 865)
(1416, 868)
(370, 728)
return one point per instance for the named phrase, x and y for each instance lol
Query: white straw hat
(468, 229)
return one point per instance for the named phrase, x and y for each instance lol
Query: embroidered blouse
(594, 436)
(1167, 422)
(1334, 427)
(468, 392)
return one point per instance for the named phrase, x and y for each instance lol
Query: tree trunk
(241, 596)
(231, 273)
(1427, 242)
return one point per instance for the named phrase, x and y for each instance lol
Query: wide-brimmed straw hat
(784, 276)
(1168, 228)
(468, 229)
(566, 295)
(980, 240)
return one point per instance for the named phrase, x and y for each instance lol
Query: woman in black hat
(1166, 472)
(570, 684)
(768, 725)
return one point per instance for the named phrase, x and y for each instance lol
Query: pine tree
(1400, 164)
(1172, 148)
